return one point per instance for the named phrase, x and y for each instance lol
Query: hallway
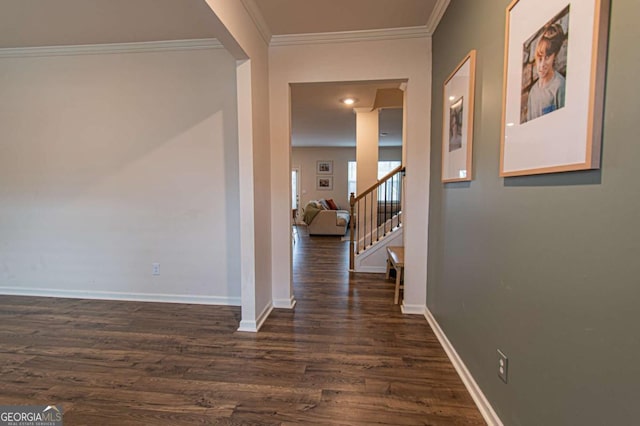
(373, 364)
(344, 356)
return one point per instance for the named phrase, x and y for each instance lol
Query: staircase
(376, 222)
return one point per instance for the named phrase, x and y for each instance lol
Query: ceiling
(317, 118)
(35, 23)
(305, 16)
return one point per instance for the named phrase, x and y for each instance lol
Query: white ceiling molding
(350, 36)
(92, 49)
(258, 19)
(437, 14)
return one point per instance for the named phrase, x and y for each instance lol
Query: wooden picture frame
(553, 89)
(324, 167)
(457, 121)
(324, 183)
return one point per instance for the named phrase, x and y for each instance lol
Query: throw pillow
(324, 204)
(332, 204)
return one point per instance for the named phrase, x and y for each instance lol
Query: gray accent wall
(545, 268)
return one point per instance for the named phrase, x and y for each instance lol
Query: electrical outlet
(503, 365)
(155, 268)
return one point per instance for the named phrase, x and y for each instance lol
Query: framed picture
(324, 167)
(457, 117)
(555, 55)
(324, 183)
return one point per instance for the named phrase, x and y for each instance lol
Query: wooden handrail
(353, 200)
(377, 184)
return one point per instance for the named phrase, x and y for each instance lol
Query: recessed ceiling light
(451, 98)
(348, 101)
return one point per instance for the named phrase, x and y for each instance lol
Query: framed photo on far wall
(324, 167)
(324, 183)
(555, 55)
(457, 126)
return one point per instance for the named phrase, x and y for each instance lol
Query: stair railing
(372, 210)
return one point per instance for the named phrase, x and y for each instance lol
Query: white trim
(481, 401)
(93, 49)
(412, 309)
(247, 194)
(350, 36)
(284, 303)
(376, 254)
(258, 19)
(254, 326)
(436, 15)
(371, 269)
(114, 295)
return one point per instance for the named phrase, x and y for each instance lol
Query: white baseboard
(372, 269)
(254, 326)
(284, 303)
(481, 401)
(113, 295)
(412, 309)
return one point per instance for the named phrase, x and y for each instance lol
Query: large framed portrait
(457, 126)
(555, 54)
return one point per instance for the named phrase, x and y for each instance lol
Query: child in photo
(548, 93)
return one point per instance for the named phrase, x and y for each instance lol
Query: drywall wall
(399, 59)
(544, 268)
(305, 159)
(239, 34)
(111, 162)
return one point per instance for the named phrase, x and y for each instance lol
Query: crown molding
(350, 36)
(92, 49)
(360, 110)
(437, 14)
(258, 19)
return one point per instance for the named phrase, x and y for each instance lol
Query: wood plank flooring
(344, 356)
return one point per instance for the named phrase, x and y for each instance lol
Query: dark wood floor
(344, 356)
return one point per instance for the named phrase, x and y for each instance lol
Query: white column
(247, 223)
(367, 135)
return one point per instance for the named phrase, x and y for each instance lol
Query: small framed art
(324, 183)
(457, 127)
(324, 167)
(555, 56)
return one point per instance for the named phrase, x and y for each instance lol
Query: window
(392, 188)
(384, 167)
(294, 188)
(351, 179)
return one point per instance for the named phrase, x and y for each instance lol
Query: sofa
(324, 217)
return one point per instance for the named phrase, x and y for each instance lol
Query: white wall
(238, 33)
(390, 153)
(113, 161)
(305, 159)
(355, 61)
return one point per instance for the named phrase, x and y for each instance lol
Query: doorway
(295, 201)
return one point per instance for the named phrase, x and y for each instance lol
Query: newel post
(352, 228)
